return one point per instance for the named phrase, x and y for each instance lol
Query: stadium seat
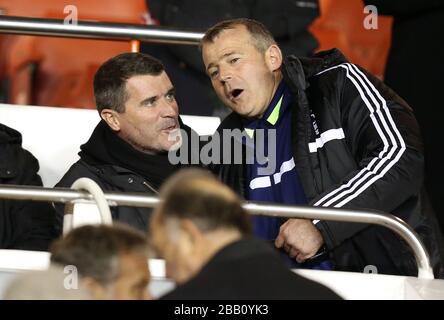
(59, 71)
(339, 26)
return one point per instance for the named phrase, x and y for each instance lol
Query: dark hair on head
(95, 249)
(110, 79)
(261, 37)
(197, 195)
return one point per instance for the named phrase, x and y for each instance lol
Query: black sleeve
(383, 137)
(25, 225)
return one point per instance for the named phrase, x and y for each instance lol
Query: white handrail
(97, 30)
(94, 189)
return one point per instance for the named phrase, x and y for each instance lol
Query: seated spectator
(24, 225)
(203, 233)
(128, 150)
(45, 285)
(112, 260)
(341, 138)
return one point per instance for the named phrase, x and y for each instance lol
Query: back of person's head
(197, 195)
(110, 257)
(261, 37)
(110, 79)
(198, 217)
(50, 284)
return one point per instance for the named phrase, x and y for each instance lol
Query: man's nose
(170, 109)
(225, 75)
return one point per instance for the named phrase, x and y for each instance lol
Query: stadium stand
(54, 135)
(58, 71)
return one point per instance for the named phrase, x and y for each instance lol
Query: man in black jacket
(128, 150)
(341, 139)
(24, 225)
(202, 232)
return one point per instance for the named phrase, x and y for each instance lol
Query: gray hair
(95, 249)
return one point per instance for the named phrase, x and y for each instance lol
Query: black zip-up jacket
(116, 166)
(366, 153)
(24, 225)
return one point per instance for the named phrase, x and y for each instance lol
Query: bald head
(197, 217)
(197, 195)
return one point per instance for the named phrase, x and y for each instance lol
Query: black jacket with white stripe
(366, 153)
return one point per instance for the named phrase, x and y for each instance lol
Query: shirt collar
(279, 103)
(272, 112)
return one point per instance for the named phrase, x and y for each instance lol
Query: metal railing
(97, 30)
(140, 200)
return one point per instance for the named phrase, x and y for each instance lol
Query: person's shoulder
(78, 170)
(330, 61)
(17, 164)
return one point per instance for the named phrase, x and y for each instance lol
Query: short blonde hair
(261, 37)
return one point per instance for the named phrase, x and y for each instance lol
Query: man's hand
(300, 238)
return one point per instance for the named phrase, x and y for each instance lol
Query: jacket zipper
(146, 184)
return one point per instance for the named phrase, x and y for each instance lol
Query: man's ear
(192, 233)
(273, 57)
(111, 117)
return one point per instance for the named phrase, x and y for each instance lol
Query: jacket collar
(301, 69)
(297, 72)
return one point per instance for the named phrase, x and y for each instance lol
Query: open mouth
(235, 93)
(171, 127)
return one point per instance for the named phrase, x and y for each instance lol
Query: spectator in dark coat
(129, 148)
(24, 225)
(203, 233)
(342, 139)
